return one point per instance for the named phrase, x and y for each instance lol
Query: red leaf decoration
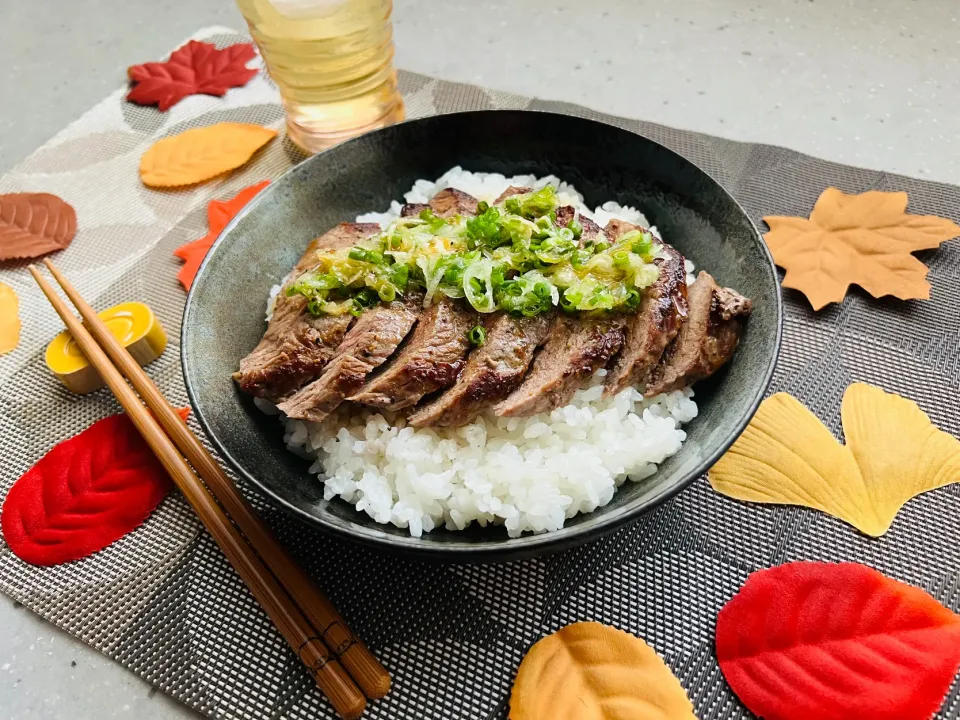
(219, 215)
(837, 642)
(196, 68)
(86, 493)
(32, 224)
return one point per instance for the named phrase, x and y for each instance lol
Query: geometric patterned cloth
(163, 600)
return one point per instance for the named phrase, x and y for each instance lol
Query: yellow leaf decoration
(9, 319)
(589, 671)
(864, 239)
(893, 453)
(200, 154)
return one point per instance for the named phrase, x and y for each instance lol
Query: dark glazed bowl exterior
(223, 319)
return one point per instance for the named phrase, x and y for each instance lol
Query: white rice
(529, 474)
(488, 186)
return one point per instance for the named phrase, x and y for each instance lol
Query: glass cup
(333, 62)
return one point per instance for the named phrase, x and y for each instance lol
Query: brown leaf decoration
(864, 240)
(32, 224)
(200, 154)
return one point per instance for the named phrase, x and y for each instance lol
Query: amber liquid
(333, 63)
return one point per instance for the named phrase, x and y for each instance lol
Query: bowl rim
(525, 545)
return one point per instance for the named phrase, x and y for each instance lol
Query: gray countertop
(862, 82)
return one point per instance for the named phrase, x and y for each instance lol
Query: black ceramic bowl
(223, 319)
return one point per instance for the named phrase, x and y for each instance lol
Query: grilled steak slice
(707, 339)
(566, 213)
(492, 371)
(577, 347)
(297, 345)
(344, 235)
(412, 209)
(510, 192)
(450, 202)
(590, 229)
(615, 228)
(373, 338)
(430, 360)
(654, 326)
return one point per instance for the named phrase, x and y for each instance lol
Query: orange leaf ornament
(589, 670)
(219, 214)
(200, 154)
(864, 240)
(9, 319)
(787, 457)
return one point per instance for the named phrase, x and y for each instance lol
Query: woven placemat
(164, 602)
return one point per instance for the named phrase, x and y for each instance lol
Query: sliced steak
(654, 326)
(615, 228)
(577, 347)
(413, 209)
(430, 360)
(344, 235)
(373, 338)
(566, 213)
(297, 345)
(450, 202)
(707, 339)
(492, 371)
(510, 192)
(590, 229)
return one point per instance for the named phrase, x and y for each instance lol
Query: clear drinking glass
(333, 62)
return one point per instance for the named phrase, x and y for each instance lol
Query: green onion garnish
(477, 335)
(512, 257)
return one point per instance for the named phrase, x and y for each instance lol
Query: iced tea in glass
(333, 63)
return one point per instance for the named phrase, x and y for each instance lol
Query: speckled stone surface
(855, 81)
(866, 83)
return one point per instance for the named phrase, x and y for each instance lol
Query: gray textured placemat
(164, 602)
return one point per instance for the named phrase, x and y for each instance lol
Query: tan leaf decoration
(589, 671)
(864, 240)
(893, 453)
(9, 319)
(33, 224)
(200, 154)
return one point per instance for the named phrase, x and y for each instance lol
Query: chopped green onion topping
(477, 335)
(513, 257)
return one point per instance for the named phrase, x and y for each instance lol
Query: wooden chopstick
(365, 669)
(336, 684)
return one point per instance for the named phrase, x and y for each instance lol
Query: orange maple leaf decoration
(866, 240)
(219, 215)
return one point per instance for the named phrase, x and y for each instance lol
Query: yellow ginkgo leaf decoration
(589, 671)
(893, 453)
(202, 153)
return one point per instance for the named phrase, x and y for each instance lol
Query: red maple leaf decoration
(837, 642)
(196, 68)
(219, 215)
(86, 493)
